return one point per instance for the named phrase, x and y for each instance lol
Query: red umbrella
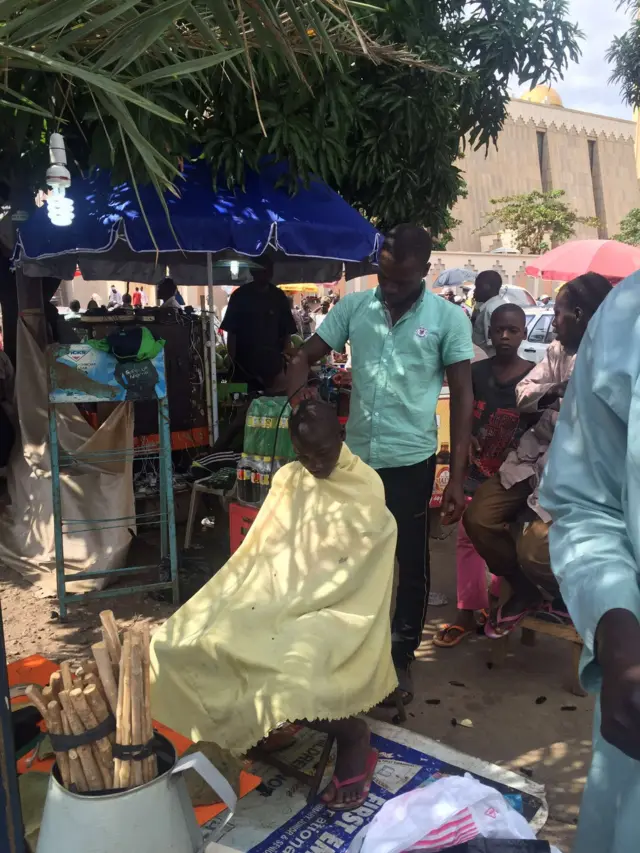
(610, 258)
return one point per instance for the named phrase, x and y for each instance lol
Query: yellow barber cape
(295, 625)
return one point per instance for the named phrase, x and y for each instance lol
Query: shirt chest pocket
(418, 351)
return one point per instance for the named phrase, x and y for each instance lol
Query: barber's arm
(332, 335)
(461, 412)
(457, 352)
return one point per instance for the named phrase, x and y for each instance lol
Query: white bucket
(154, 818)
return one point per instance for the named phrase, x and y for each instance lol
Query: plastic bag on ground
(442, 815)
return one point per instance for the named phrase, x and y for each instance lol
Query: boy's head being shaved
(315, 435)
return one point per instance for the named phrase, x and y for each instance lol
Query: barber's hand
(619, 655)
(453, 503)
(342, 379)
(306, 393)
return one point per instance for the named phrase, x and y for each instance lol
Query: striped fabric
(462, 827)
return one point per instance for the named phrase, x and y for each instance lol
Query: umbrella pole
(212, 349)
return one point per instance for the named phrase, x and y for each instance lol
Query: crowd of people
(536, 542)
(543, 480)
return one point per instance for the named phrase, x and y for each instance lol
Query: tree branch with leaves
(537, 218)
(376, 99)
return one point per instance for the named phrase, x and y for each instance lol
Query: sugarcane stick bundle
(137, 704)
(123, 719)
(53, 722)
(67, 679)
(111, 636)
(101, 747)
(106, 673)
(55, 683)
(94, 777)
(54, 726)
(77, 773)
(105, 702)
(150, 764)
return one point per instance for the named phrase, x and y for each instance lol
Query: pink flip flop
(366, 777)
(505, 625)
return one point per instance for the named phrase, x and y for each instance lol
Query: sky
(586, 83)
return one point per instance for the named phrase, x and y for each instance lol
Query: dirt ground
(523, 717)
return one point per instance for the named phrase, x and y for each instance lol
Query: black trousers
(408, 492)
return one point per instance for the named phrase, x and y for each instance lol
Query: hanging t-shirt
(497, 423)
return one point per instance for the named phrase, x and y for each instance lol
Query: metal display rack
(78, 356)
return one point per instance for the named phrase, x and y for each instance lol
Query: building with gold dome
(545, 146)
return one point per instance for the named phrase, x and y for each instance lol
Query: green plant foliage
(630, 228)
(536, 216)
(377, 99)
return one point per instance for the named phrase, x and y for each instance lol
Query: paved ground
(512, 725)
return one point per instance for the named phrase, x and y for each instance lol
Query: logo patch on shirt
(421, 332)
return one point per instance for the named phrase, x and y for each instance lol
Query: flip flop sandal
(440, 638)
(547, 613)
(366, 778)
(505, 625)
(482, 617)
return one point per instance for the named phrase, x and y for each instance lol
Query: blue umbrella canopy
(115, 225)
(455, 277)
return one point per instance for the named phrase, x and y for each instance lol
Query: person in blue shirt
(591, 489)
(403, 339)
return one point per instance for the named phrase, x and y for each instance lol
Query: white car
(517, 296)
(540, 334)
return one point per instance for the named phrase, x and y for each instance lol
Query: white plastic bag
(447, 812)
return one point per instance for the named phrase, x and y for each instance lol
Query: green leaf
(184, 69)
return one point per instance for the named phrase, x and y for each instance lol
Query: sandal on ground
(457, 635)
(504, 625)
(547, 612)
(366, 778)
(482, 617)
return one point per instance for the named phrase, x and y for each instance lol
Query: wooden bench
(530, 627)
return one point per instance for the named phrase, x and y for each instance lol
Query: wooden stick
(105, 669)
(75, 767)
(34, 695)
(137, 701)
(123, 718)
(65, 672)
(91, 678)
(111, 636)
(85, 753)
(55, 728)
(55, 683)
(90, 667)
(101, 747)
(149, 765)
(47, 695)
(77, 773)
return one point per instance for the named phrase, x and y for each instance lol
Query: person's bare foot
(352, 760)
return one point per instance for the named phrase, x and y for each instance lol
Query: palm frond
(136, 73)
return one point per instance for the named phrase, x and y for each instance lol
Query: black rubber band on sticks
(136, 752)
(63, 743)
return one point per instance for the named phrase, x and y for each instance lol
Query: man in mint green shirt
(403, 341)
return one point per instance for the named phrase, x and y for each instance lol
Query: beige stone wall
(569, 170)
(617, 166)
(510, 168)
(514, 167)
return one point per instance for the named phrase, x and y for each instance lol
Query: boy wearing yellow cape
(295, 626)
